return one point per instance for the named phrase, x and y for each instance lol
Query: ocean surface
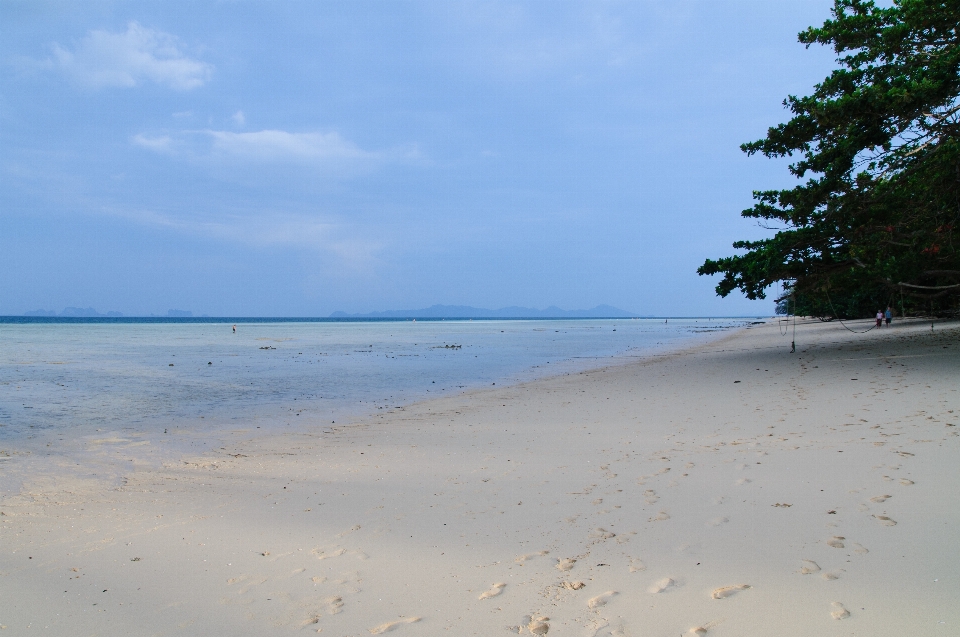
(65, 381)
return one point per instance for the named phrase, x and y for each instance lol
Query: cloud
(269, 229)
(104, 59)
(517, 41)
(274, 145)
(326, 150)
(159, 144)
(238, 118)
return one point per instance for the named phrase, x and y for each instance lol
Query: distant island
(432, 312)
(73, 312)
(89, 312)
(464, 311)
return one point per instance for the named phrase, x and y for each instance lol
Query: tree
(877, 144)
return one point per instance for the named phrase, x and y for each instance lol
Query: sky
(298, 158)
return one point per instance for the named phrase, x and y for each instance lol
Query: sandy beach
(732, 488)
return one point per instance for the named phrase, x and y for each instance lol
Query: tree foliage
(877, 150)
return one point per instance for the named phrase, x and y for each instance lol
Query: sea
(66, 382)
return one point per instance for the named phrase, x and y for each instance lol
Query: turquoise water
(76, 379)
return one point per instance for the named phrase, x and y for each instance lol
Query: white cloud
(159, 144)
(518, 41)
(239, 119)
(127, 59)
(269, 228)
(274, 145)
(324, 150)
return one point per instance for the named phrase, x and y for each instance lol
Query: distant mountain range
(464, 311)
(433, 312)
(89, 312)
(73, 312)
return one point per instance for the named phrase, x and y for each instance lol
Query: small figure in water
(234, 329)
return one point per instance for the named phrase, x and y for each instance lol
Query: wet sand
(728, 489)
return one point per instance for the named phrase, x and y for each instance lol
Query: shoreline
(199, 432)
(697, 491)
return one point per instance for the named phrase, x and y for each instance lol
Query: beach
(728, 488)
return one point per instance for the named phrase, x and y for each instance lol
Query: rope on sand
(841, 320)
(784, 330)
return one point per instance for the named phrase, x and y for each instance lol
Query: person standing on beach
(889, 315)
(879, 318)
(234, 329)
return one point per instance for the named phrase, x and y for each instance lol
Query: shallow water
(70, 380)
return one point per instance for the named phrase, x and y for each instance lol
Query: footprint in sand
(702, 630)
(566, 563)
(325, 555)
(832, 575)
(880, 498)
(664, 585)
(836, 541)
(660, 517)
(729, 591)
(885, 521)
(495, 590)
(602, 534)
(355, 527)
(717, 521)
(839, 612)
(809, 566)
(906, 482)
(523, 558)
(636, 565)
(859, 549)
(247, 582)
(384, 628)
(315, 619)
(538, 625)
(351, 582)
(334, 605)
(623, 538)
(573, 586)
(742, 481)
(600, 600)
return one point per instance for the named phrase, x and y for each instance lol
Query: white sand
(657, 498)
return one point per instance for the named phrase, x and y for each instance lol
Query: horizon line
(20, 318)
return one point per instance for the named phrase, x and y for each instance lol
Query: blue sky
(293, 159)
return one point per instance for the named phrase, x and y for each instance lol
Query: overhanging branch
(928, 287)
